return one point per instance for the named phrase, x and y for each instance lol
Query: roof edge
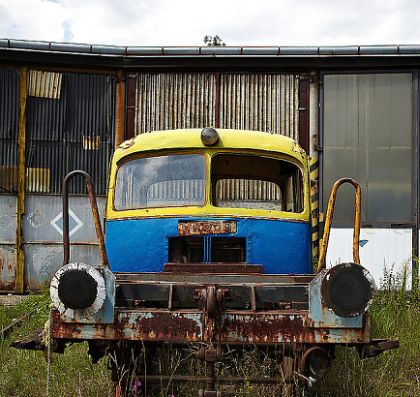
(197, 51)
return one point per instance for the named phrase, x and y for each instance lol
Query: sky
(186, 22)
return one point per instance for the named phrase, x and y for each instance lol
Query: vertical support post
(130, 116)
(217, 101)
(119, 111)
(304, 112)
(415, 189)
(21, 182)
(314, 162)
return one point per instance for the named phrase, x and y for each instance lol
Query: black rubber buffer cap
(347, 289)
(77, 289)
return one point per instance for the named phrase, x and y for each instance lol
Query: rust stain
(219, 267)
(206, 227)
(237, 328)
(7, 279)
(264, 329)
(170, 328)
(120, 326)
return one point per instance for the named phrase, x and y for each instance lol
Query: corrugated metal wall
(247, 189)
(261, 102)
(9, 113)
(70, 125)
(264, 102)
(168, 101)
(9, 107)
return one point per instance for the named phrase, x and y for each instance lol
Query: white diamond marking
(78, 225)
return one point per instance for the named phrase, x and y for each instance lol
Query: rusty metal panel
(7, 242)
(70, 125)
(175, 100)
(44, 84)
(42, 210)
(43, 260)
(7, 219)
(262, 102)
(214, 279)
(190, 326)
(42, 234)
(7, 267)
(206, 227)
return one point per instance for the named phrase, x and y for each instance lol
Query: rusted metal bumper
(216, 308)
(193, 326)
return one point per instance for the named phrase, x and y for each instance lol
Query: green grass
(23, 372)
(395, 373)
(396, 314)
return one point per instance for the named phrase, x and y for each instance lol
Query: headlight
(347, 289)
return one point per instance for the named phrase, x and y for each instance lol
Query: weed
(395, 314)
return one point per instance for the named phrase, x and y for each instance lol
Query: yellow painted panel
(232, 141)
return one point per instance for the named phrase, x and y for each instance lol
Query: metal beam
(119, 109)
(415, 187)
(303, 134)
(21, 181)
(130, 112)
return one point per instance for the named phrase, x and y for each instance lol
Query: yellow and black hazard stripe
(314, 175)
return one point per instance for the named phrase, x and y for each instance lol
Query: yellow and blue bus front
(241, 200)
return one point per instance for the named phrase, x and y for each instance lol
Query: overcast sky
(186, 22)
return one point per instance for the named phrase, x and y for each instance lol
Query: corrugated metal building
(66, 106)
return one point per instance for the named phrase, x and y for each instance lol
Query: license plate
(206, 227)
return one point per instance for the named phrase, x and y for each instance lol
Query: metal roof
(112, 50)
(268, 58)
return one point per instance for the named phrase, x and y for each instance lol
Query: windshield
(245, 181)
(161, 181)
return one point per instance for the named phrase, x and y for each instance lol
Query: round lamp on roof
(209, 136)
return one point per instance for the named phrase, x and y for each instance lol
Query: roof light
(209, 136)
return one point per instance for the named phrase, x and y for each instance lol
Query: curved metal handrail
(323, 245)
(95, 214)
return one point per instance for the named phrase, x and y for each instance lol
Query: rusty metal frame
(119, 108)
(213, 267)
(330, 212)
(214, 311)
(195, 326)
(95, 214)
(21, 182)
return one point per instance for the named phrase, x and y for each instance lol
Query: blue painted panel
(141, 245)
(321, 316)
